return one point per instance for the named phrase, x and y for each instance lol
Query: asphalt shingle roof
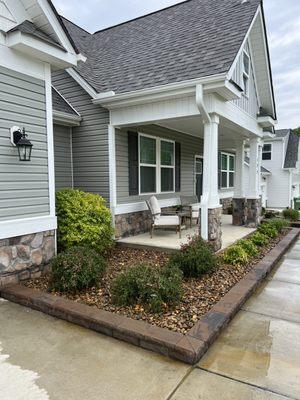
(29, 28)
(292, 151)
(193, 39)
(60, 104)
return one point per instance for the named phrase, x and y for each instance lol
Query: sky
(283, 25)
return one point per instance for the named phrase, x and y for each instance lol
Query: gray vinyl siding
(249, 104)
(24, 189)
(63, 157)
(190, 146)
(90, 139)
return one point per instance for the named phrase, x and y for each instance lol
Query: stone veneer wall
(132, 224)
(215, 227)
(247, 212)
(25, 256)
(226, 204)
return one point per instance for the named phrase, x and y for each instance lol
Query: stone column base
(239, 215)
(215, 227)
(254, 208)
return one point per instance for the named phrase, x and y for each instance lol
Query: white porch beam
(254, 169)
(239, 170)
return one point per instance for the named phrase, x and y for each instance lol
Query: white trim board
(27, 226)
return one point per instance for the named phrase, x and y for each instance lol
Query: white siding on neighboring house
(24, 188)
(279, 184)
(249, 103)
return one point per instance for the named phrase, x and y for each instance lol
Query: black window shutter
(133, 163)
(177, 167)
(219, 170)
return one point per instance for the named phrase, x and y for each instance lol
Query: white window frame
(246, 74)
(228, 171)
(264, 152)
(158, 166)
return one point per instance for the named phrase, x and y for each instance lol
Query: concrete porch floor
(168, 239)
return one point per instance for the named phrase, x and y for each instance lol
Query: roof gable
(193, 39)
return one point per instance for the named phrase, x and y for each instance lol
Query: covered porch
(209, 133)
(168, 240)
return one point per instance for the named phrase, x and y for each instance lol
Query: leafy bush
(235, 255)
(291, 214)
(249, 247)
(150, 287)
(259, 239)
(195, 258)
(279, 224)
(83, 220)
(76, 269)
(268, 230)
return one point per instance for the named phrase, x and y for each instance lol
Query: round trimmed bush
(259, 239)
(249, 247)
(83, 220)
(76, 269)
(235, 255)
(292, 215)
(279, 224)
(148, 286)
(195, 259)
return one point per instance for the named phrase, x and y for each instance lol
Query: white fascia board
(82, 82)
(177, 89)
(66, 101)
(27, 226)
(66, 119)
(40, 50)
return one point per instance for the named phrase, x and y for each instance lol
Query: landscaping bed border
(188, 348)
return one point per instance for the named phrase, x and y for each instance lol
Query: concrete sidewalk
(257, 357)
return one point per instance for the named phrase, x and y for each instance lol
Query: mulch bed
(199, 296)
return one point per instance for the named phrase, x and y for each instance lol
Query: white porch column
(112, 170)
(210, 198)
(254, 169)
(239, 170)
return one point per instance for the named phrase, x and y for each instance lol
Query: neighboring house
(280, 156)
(33, 41)
(165, 104)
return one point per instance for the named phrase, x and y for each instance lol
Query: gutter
(201, 105)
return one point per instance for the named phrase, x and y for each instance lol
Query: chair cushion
(196, 206)
(167, 220)
(195, 214)
(154, 205)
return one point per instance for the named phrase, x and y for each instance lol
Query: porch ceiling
(229, 133)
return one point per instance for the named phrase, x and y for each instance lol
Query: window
(246, 72)
(227, 170)
(267, 152)
(157, 165)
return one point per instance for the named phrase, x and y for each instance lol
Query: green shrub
(291, 214)
(268, 230)
(279, 224)
(195, 259)
(259, 239)
(76, 269)
(150, 287)
(83, 220)
(249, 247)
(235, 255)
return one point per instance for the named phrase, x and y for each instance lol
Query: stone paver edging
(188, 348)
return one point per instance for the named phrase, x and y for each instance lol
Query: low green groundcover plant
(259, 239)
(150, 287)
(249, 247)
(291, 214)
(76, 269)
(195, 259)
(268, 230)
(279, 224)
(235, 255)
(83, 220)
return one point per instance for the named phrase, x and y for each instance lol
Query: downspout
(204, 199)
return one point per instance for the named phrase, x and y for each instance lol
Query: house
(33, 43)
(280, 156)
(165, 104)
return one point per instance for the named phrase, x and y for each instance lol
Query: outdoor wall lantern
(19, 139)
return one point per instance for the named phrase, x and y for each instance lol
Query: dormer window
(246, 72)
